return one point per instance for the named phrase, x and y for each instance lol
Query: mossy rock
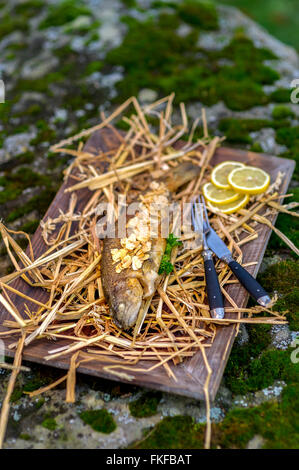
(242, 49)
(25, 436)
(50, 424)
(278, 276)
(179, 432)
(28, 9)
(11, 23)
(284, 278)
(40, 203)
(282, 112)
(245, 373)
(237, 130)
(99, 420)
(64, 12)
(281, 95)
(289, 136)
(16, 394)
(276, 422)
(146, 405)
(290, 304)
(236, 372)
(198, 13)
(179, 64)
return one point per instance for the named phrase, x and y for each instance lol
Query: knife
(213, 288)
(251, 285)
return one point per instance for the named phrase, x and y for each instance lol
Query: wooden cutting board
(191, 374)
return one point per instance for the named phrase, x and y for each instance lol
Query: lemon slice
(231, 207)
(249, 180)
(220, 173)
(219, 196)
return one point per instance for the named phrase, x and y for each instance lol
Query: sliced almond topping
(136, 263)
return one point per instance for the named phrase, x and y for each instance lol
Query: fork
(201, 225)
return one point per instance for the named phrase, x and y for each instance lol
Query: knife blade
(247, 280)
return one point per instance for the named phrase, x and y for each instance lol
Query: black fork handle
(214, 293)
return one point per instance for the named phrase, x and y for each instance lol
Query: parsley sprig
(166, 266)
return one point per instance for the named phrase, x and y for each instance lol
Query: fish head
(126, 302)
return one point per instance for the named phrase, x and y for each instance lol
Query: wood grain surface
(191, 374)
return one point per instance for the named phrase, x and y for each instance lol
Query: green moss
(16, 47)
(237, 130)
(288, 136)
(40, 85)
(16, 394)
(279, 123)
(163, 4)
(250, 366)
(242, 49)
(10, 56)
(236, 372)
(277, 277)
(94, 36)
(270, 366)
(34, 109)
(40, 203)
(276, 422)
(129, 3)
(28, 9)
(198, 13)
(35, 384)
(94, 66)
(179, 432)
(282, 112)
(39, 403)
(64, 12)
(281, 95)
(243, 95)
(49, 423)
(30, 226)
(5, 110)
(146, 405)
(15, 183)
(11, 23)
(45, 133)
(290, 303)
(195, 74)
(256, 147)
(99, 420)
(25, 437)
(26, 157)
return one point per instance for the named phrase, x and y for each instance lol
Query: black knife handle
(250, 284)
(213, 287)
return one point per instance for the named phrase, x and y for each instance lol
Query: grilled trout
(129, 266)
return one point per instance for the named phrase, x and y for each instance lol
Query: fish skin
(125, 291)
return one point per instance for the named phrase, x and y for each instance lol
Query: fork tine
(199, 215)
(205, 211)
(194, 222)
(197, 218)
